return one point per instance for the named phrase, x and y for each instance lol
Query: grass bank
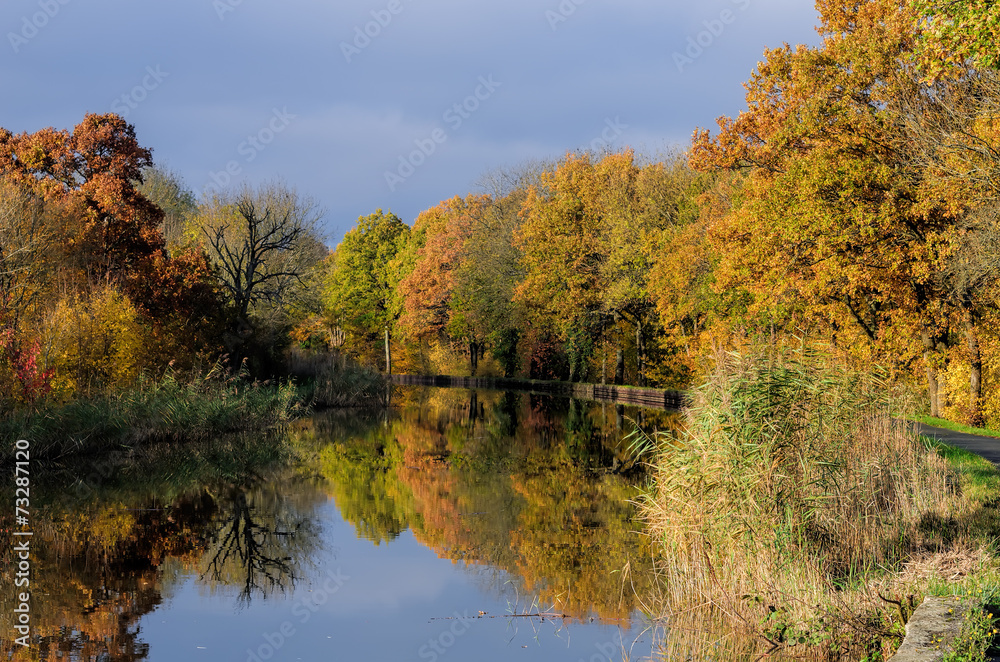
(957, 427)
(803, 519)
(191, 408)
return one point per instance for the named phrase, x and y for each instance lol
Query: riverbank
(656, 398)
(191, 408)
(798, 512)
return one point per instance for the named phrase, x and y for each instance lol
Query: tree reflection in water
(105, 557)
(527, 487)
(258, 543)
(524, 489)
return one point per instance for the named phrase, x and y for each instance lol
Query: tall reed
(791, 491)
(335, 380)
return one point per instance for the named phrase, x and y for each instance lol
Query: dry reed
(793, 493)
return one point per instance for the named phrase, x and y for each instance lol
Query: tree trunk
(604, 360)
(388, 352)
(619, 355)
(975, 373)
(932, 384)
(639, 351)
(473, 357)
(473, 407)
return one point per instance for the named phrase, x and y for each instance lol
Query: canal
(457, 525)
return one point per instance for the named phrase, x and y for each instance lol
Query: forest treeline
(852, 205)
(111, 271)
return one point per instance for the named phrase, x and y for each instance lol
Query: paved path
(931, 622)
(988, 447)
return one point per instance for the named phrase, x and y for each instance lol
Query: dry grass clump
(793, 493)
(950, 565)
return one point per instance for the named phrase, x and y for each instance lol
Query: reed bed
(334, 380)
(791, 504)
(194, 408)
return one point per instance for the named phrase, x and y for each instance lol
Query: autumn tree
(691, 311)
(26, 239)
(165, 188)
(362, 275)
(438, 237)
(831, 226)
(447, 295)
(953, 32)
(99, 165)
(95, 341)
(589, 240)
(80, 226)
(951, 126)
(492, 267)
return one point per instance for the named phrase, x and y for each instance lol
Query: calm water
(459, 526)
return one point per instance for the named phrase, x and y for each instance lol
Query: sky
(385, 104)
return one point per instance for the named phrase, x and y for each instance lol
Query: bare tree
(260, 544)
(263, 241)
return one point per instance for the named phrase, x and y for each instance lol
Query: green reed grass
(191, 407)
(195, 408)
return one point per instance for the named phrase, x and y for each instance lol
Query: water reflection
(106, 555)
(529, 493)
(534, 486)
(258, 541)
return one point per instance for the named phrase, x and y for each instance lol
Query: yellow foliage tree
(94, 342)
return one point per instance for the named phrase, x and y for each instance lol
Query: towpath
(988, 447)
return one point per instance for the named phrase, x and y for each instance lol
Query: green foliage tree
(361, 279)
(165, 188)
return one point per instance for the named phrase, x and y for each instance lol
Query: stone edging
(630, 395)
(930, 630)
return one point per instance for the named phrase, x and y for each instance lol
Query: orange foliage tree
(80, 228)
(432, 293)
(832, 226)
